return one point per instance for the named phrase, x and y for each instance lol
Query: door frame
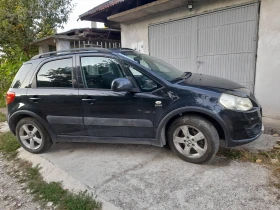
(112, 121)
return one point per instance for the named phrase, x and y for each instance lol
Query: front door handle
(88, 99)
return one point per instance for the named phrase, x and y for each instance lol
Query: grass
(9, 145)
(246, 155)
(43, 191)
(2, 117)
(2, 102)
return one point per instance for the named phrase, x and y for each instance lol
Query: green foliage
(8, 143)
(231, 154)
(21, 23)
(2, 117)
(81, 201)
(8, 69)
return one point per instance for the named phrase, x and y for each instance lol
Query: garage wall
(267, 88)
(219, 43)
(137, 31)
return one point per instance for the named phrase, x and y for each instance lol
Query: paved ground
(272, 126)
(264, 142)
(3, 110)
(146, 177)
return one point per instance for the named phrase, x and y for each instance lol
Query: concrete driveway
(146, 177)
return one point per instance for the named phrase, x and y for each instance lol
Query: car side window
(146, 84)
(56, 74)
(99, 72)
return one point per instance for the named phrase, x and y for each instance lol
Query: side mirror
(121, 85)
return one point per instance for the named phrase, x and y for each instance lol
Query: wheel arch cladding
(17, 116)
(172, 116)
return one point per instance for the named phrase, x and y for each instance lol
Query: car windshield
(158, 66)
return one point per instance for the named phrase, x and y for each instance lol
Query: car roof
(80, 51)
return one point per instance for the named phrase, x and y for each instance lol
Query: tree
(24, 21)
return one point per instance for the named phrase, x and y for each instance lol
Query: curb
(52, 173)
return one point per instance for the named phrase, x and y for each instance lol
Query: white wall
(62, 45)
(267, 88)
(43, 49)
(137, 31)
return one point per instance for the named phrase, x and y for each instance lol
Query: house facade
(80, 38)
(234, 39)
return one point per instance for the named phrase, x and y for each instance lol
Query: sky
(81, 7)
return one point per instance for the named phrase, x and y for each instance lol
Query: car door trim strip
(118, 122)
(65, 120)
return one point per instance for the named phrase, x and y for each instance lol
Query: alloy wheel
(30, 136)
(190, 141)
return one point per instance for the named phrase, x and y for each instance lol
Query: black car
(122, 96)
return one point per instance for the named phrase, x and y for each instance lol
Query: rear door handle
(89, 100)
(34, 99)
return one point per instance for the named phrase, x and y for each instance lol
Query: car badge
(158, 103)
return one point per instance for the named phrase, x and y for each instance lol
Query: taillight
(10, 96)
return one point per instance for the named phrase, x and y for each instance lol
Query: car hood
(212, 82)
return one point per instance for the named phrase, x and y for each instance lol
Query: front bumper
(243, 127)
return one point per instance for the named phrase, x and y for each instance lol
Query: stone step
(277, 147)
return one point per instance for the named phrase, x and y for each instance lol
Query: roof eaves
(53, 37)
(101, 7)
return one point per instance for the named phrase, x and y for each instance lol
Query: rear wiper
(186, 75)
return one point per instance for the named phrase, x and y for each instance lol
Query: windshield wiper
(186, 75)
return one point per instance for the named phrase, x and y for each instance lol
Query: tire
(33, 140)
(185, 139)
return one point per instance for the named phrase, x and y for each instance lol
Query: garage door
(222, 43)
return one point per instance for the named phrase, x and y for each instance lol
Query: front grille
(254, 130)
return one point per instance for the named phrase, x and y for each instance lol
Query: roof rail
(65, 52)
(125, 48)
(120, 48)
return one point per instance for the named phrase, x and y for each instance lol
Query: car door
(113, 114)
(54, 96)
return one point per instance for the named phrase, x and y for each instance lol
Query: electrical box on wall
(138, 46)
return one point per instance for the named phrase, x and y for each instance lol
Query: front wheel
(194, 139)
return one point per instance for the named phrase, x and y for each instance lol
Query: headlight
(235, 103)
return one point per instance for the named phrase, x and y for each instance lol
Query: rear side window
(21, 75)
(56, 74)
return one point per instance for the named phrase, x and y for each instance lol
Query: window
(20, 76)
(99, 72)
(145, 83)
(56, 74)
(158, 66)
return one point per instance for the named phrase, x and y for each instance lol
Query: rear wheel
(32, 136)
(194, 139)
